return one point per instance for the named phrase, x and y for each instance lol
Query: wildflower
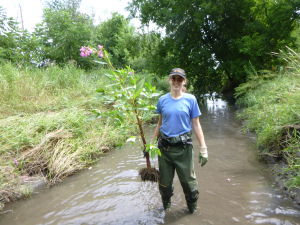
(100, 46)
(131, 72)
(100, 54)
(15, 161)
(85, 51)
(12, 176)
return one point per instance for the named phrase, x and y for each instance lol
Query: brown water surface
(234, 186)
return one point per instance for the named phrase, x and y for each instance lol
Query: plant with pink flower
(133, 98)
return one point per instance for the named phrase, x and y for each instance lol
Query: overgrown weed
(33, 90)
(272, 110)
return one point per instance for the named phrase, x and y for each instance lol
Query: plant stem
(144, 141)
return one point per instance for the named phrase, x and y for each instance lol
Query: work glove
(203, 156)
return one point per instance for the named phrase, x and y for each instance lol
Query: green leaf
(112, 85)
(120, 118)
(108, 75)
(139, 85)
(152, 154)
(158, 152)
(96, 111)
(136, 94)
(100, 62)
(100, 90)
(119, 146)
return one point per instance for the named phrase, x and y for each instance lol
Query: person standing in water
(177, 112)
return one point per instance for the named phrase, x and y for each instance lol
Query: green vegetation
(214, 40)
(272, 111)
(45, 125)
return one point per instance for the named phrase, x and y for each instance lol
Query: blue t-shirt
(177, 113)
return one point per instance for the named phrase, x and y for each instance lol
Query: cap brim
(172, 74)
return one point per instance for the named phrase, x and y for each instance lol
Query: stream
(235, 186)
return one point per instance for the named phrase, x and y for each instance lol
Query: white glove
(203, 151)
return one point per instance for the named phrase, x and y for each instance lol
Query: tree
(118, 37)
(63, 31)
(146, 45)
(16, 45)
(214, 39)
(296, 34)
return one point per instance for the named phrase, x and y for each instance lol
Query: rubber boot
(192, 206)
(166, 203)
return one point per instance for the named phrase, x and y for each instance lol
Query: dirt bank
(277, 165)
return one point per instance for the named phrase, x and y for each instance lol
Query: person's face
(177, 82)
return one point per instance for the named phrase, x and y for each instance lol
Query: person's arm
(156, 132)
(198, 131)
(203, 155)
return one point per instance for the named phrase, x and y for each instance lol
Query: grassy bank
(271, 109)
(45, 125)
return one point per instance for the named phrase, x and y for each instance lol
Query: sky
(32, 10)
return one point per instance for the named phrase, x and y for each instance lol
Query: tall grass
(45, 127)
(272, 111)
(31, 90)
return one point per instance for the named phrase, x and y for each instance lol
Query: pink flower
(100, 54)
(12, 176)
(131, 72)
(100, 46)
(85, 51)
(89, 50)
(16, 162)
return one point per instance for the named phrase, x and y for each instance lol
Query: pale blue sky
(32, 10)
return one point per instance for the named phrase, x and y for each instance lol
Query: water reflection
(234, 187)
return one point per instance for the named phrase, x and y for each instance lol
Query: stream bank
(280, 177)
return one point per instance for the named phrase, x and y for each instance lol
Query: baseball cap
(177, 71)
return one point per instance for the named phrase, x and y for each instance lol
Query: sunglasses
(180, 79)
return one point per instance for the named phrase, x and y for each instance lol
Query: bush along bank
(46, 125)
(271, 109)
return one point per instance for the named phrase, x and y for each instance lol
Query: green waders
(177, 156)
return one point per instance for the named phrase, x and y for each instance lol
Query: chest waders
(177, 153)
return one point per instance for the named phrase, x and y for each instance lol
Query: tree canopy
(213, 40)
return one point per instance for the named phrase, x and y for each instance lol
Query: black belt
(165, 142)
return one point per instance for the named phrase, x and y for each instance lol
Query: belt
(165, 142)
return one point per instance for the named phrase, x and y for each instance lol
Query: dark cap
(177, 71)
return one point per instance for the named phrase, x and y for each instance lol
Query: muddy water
(234, 187)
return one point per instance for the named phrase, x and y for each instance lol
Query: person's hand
(203, 156)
